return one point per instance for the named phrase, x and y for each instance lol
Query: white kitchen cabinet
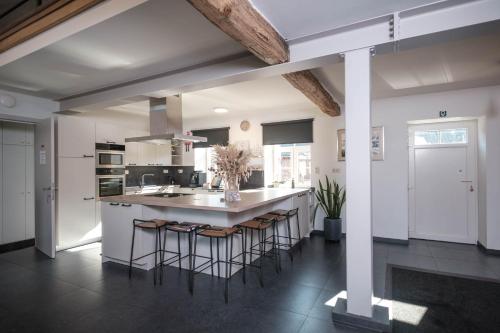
(301, 201)
(109, 133)
(163, 155)
(188, 157)
(147, 154)
(30, 192)
(75, 137)
(1, 189)
(132, 149)
(14, 190)
(17, 134)
(117, 232)
(76, 218)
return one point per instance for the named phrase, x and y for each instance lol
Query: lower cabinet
(301, 201)
(117, 231)
(76, 217)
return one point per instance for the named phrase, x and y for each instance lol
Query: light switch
(316, 170)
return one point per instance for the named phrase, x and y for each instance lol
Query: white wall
(122, 119)
(390, 177)
(28, 107)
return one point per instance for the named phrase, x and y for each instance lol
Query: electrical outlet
(336, 170)
(126, 172)
(165, 170)
(180, 170)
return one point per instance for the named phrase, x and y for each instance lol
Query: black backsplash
(135, 172)
(256, 180)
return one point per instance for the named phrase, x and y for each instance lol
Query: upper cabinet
(76, 137)
(18, 134)
(108, 133)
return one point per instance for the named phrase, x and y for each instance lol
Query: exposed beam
(305, 53)
(308, 84)
(55, 13)
(77, 23)
(240, 20)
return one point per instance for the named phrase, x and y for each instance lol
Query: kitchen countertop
(249, 199)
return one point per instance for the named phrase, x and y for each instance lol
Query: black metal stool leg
(156, 258)
(190, 253)
(179, 248)
(244, 253)
(278, 244)
(289, 237)
(226, 271)
(251, 244)
(231, 257)
(211, 257)
(131, 253)
(275, 248)
(261, 252)
(160, 255)
(218, 259)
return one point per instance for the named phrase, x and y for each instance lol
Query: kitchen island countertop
(249, 199)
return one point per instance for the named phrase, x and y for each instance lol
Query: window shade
(215, 136)
(288, 132)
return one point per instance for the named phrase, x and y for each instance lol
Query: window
(203, 161)
(441, 137)
(282, 163)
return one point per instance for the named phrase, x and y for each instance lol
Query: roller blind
(288, 132)
(215, 136)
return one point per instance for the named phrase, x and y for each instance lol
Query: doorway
(443, 181)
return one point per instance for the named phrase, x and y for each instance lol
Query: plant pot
(333, 229)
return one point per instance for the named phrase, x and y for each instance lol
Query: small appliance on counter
(197, 179)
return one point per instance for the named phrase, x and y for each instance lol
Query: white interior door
(45, 221)
(442, 182)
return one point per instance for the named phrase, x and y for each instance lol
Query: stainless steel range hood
(165, 122)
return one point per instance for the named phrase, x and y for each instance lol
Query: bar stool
(217, 233)
(156, 225)
(288, 214)
(261, 227)
(275, 220)
(189, 229)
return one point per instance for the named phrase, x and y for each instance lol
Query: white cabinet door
(76, 202)
(30, 192)
(75, 137)
(117, 231)
(14, 196)
(14, 133)
(163, 155)
(132, 153)
(109, 133)
(147, 154)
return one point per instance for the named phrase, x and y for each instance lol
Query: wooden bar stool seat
(255, 225)
(153, 224)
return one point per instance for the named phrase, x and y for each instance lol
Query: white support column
(359, 246)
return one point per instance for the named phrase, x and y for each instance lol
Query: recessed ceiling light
(220, 110)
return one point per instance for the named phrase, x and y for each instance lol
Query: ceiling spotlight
(8, 101)
(220, 110)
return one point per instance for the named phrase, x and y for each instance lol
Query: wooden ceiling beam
(240, 20)
(308, 84)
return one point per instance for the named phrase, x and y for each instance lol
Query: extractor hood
(165, 122)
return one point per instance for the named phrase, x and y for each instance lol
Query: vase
(232, 190)
(333, 229)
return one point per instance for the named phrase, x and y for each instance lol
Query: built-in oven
(110, 181)
(109, 155)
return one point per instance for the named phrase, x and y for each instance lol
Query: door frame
(472, 204)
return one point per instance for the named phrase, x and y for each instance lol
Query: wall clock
(245, 125)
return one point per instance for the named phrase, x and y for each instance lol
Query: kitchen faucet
(142, 178)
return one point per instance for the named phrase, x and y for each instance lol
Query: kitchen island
(118, 213)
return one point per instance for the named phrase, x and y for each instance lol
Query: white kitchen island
(118, 213)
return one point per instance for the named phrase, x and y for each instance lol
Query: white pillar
(359, 246)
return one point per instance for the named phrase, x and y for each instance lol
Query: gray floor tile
(473, 269)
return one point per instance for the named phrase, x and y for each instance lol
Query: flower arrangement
(233, 166)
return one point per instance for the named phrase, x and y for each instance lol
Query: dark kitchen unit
(162, 175)
(109, 182)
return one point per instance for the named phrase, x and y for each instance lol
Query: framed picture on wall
(377, 144)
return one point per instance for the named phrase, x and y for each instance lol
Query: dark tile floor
(76, 293)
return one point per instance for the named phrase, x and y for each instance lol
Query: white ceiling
(155, 37)
(299, 18)
(467, 63)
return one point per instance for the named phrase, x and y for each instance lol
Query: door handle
(88, 198)
(114, 204)
(466, 181)
(84, 155)
(126, 205)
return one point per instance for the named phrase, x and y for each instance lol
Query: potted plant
(331, 199)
